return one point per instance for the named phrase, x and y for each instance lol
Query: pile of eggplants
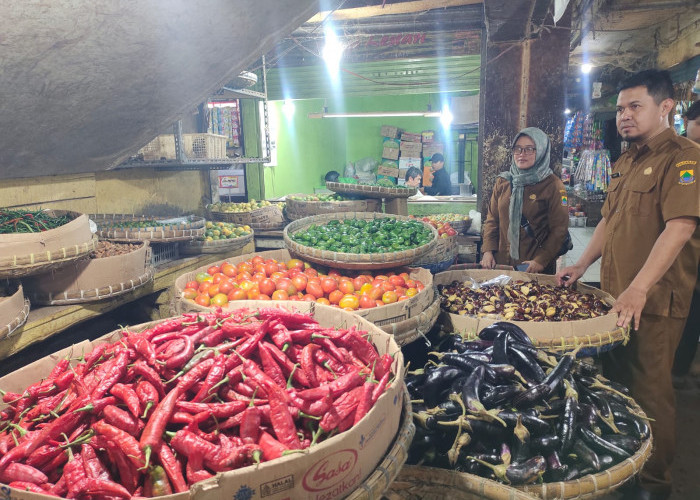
(502, 409)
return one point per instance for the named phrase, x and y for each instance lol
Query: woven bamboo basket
(461, 226)
(92, 280)
(165, 233)
(219, 246)
(343, 260)
(461, 267)
(441, 257)
(416, 482)
(413, 328)
(14, 311)
(386, 472)
(297, 209)
(266, 218)
(371, 191)
(32, 253)
(593, 336)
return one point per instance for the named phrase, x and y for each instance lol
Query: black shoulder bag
(567, 245)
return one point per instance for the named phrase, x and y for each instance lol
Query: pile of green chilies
(29, 221)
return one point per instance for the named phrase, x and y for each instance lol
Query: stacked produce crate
(390, 152)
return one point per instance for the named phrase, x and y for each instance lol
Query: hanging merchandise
(225, 119)
(593, 172)
(573, 133)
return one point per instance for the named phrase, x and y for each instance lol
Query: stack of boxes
(403, 150)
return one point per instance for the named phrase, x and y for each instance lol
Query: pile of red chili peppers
(158, 410)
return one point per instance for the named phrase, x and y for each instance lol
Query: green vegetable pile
(380, 183)
(318, 197)
(29, 221)
(365, 236)
(135, 224)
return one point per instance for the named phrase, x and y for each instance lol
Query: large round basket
(24, 254)
(197, 247)
(108, 228)
(298, 209)
(461, 267)
(371, 191)
(461, 226)
(386, 472)
(415, 327)
(415, 482)
(14, 311)
(593, 335)
(92, 280)
(267, 218)
(441, 257)
(343, 260)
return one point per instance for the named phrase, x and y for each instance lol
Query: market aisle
(581, 236)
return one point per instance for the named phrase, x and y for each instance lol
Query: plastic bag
(349, 170)
(500, 280)
(366, 165)
(475, 228)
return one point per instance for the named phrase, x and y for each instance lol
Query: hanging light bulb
(332, 52)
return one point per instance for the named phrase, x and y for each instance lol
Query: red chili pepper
(115, 374)
(383, 365)
(232, 329)
(250, 425)
(188, 443)
(172, 468)
(331, 348)
(290, 319)
(160, 485)
(128, 395)
(149, 374)
(316, 408)
(280, 335)
(43, 454)
(365, 401)
(340, 409)
(25, 486)
(330, 363)
(103, 488)
(381, 387)
(270, 366)
(281, 418)
(123, 420)
(315, 393)
(126, 442)
(271, 448)
(214, 377)
(194, 469)
(359, 346)
(75, 474)
(178, 360)
(59, 488)
(93, 465)
(233, 458)
(164, 327)
(127, 471)
(251, 389)
(148, 397)
(347, 422)
(288, 366)
(17, 471)
(307, 363)
(345, 383)
(218, 410)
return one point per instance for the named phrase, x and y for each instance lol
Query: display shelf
(45, 322)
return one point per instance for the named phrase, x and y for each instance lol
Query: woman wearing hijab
(528, 218)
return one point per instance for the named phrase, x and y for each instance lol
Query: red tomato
(280, 295)
(314, 289)
(189, 293)
(366, 302)
(295, 264)
(324, 301)
(226, 286)
(397, 281)
(334, 273)
(213, 290)
(410, 283)
(219, 300)
(335, 296)
(386, 286)
(375, 292)
(309, 298)
(218, 277)
(310, 271)
(245, 267)
(419, 286)
(192, 284)
(212, 270)
(203, 300)
(267, 286)
(329, 285)
(400, 290)
(262, 296)
(245, 275)
(300, 281)
(257, 260)
(286, 285)
(238, 294)
(271, 268)
(247, 285)
(346, 287)
(253, 294)
(411, 292)
(358, 282)
(229, 270)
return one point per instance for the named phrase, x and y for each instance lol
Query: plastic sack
(366, 165)
(500, 280)
(475, 228)
(349, 170)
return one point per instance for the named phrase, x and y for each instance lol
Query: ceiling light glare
(586, 68)
(288, 108)
(446, 117)
(332, 52)
(567, 111)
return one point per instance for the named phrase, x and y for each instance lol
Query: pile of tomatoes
(269, 279)
(444, 229)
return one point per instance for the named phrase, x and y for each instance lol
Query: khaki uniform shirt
(544, 205)
(651, 185)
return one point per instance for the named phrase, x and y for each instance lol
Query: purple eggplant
(500, 348)
(585, 455)
(601, 445)
(521, 441)
(556, 470)
(531, 397)
(526, 365)
(517, 333)
(630, 444)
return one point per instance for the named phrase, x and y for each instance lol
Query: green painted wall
(308, 148)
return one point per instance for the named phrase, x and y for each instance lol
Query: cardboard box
(391, 143)
(411, 149)
(390, 313)
(427, 136)
(402, 175)
(390, 153)
(330, 470)
(391, 131)
(432, 148)
(406, 162)
(88, 279)
(545, 331)
(387, 170)
(407, 137)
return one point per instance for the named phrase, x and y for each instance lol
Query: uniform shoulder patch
(565, 201)
(533, 197)
(686, 162)
(687, 177)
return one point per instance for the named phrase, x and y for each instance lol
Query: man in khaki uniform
(649, 243)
